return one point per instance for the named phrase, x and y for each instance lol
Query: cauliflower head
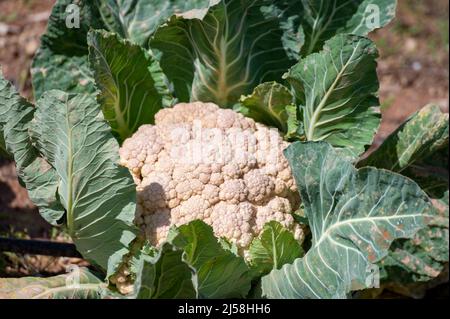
(202, 162)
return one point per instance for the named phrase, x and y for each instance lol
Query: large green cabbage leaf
(217, 55)
(308, 24)
(337, 93)
(137, 20)
(129, 95)
(33, 171)
(354, 216)
(70, 168)
(62, 60)
(97, 194)
(419, 149)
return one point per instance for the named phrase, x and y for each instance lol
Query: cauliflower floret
(259, 185)
(157, 225)
(234, 222)
(277, 209)
(202, 162)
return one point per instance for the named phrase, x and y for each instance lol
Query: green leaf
(275, 247)
(137, 20)
(419, 150)
(79, 284)
(15, 116)
(97, 194)
(41, 182)
(431, 173)
(3, 152)
(229, 246)
(337, 92)
(419, 259)
(220, 54)
(295, 129)
(164, 276)
(34, 172)
(289, 12)
(354, 216)
(219, 272)
(268, 105)
(61, 61)
(128, 94)
(441, 203)
(162, 84)
(309, 24)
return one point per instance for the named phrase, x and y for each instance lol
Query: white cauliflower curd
(202, 162)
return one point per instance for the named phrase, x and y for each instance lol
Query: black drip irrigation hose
(38, 247)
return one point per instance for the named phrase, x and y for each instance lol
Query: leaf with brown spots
(420, 259)
(354, 216)
(419, 149)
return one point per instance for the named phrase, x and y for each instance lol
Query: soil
(413, 71)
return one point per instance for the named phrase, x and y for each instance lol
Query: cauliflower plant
(202, 162)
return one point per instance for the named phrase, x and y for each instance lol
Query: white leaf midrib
(329, 230)
(70, 216)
